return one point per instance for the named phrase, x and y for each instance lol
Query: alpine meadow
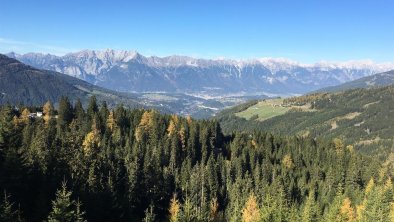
(196, 111)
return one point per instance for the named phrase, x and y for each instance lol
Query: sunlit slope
(270, 108)
(362, 117)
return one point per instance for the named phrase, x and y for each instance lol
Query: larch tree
(251, 211)
(174, 209)
(347, 211)
(25, 115)
(111, 121)
(145, 126)
(48, 112)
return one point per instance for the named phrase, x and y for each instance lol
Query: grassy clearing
(265, 109)
(159, 97)
(269, 108)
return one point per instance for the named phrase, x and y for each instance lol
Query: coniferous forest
(116, 164)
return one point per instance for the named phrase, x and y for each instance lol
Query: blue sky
(307, 31)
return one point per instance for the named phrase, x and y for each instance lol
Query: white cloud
(11, 45)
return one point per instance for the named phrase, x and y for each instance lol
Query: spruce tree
(92, 107)
(150, 215)
(7, 211)
(64, 209)
(65, 113)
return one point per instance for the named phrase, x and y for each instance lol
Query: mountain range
(129, 71)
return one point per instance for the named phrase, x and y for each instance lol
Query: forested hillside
(138, 165)
(23, 84)
(377, 80)
(361, 117)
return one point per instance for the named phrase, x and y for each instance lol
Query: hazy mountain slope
(377, 80)
(362, 117)
(20, 83)
(133, 72)
(23, 84)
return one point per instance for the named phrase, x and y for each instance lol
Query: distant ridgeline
(103, 164)
(361, 117)
(23, 84)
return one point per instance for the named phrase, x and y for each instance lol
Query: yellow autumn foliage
(47, 110)
(338, 144)
(92, 140)
(370, 186)
(171, 128)
(251, 212)
(350, 148)
(15, 120)
(145, 125)
(111, 121)
(25, 115)
(182, 137)
(360, 211)
(23, 118)
(254, 144)
(288, 161)
(174, 209)
(189, 120)
(388, 185)
(346, 211)
(214, 206)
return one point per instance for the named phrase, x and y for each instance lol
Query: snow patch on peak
(280, 60)
(278, 64)
(357, 65)
(108, 55)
